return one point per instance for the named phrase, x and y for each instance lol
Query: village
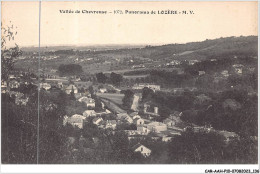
(138, 122)
(146, 83)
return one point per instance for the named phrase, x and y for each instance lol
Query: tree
(116, 79)
(98, 105)
(128, 98)
(101, 78)
(8, 55)
(72, 95)
(70, 70)
(196, 148)
(120, 148)
(147, 94)
(91, 90)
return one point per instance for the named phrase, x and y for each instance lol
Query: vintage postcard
(138, 83)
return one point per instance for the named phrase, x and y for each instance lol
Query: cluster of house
(240, 69)
(9, 87)
(20, 98)
(174, 62)
(237, 69)
(89, 102)
(138, 66)
(144, 127)
(192, 62)
(228, 136)
(139, 148)
(13, 82)
(140, 86)
(78, 120)
(48, 76)
(67, 88)
(151, 114)
(86, 146)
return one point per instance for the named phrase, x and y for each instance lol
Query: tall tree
(101, 78)
(128, 98)
(116, 79)
(8, 55)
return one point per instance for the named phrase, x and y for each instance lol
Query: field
(116, 98)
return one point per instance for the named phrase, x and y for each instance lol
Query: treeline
(191, 77)
(68, 145)
(20, 124)
(223, 62)
(113, 78)
(166, 79)
(232, 110)
(210, 148)
(98, 146)
(140, 72)
(70, 70)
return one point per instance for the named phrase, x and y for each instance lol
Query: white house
(174, 62)
(143, 129)
(74, 120)
(71, 88)
(136, 116)
(151, 86)
(103, 90)
(225, 73)
(157, 126)
(21, 101)
(14, 84)
(132, 132)
(111, 124)
(88, 101)
(133, 114)
(142, 149)
(124, 117)
(11, 76)
(88, 113)
(201, 73)
(192, 62)
(166, 138)
(45, 86)
(138, 121)
(97, 121)
(238, 68)
(60, 85)
(169, 122)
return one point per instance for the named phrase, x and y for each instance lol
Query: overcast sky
(210, 20)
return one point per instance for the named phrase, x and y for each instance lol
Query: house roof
(96, 119)
(89, 111)
(86, 100)
(138, 145)
(167, 120)
(136, 119)
(133, 114)
(70, 87)
(156, 124)
(76, 118)
(228, 134)
(176, 113)
(122, 115)
(111, 121)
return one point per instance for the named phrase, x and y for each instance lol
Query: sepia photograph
(161, 82)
